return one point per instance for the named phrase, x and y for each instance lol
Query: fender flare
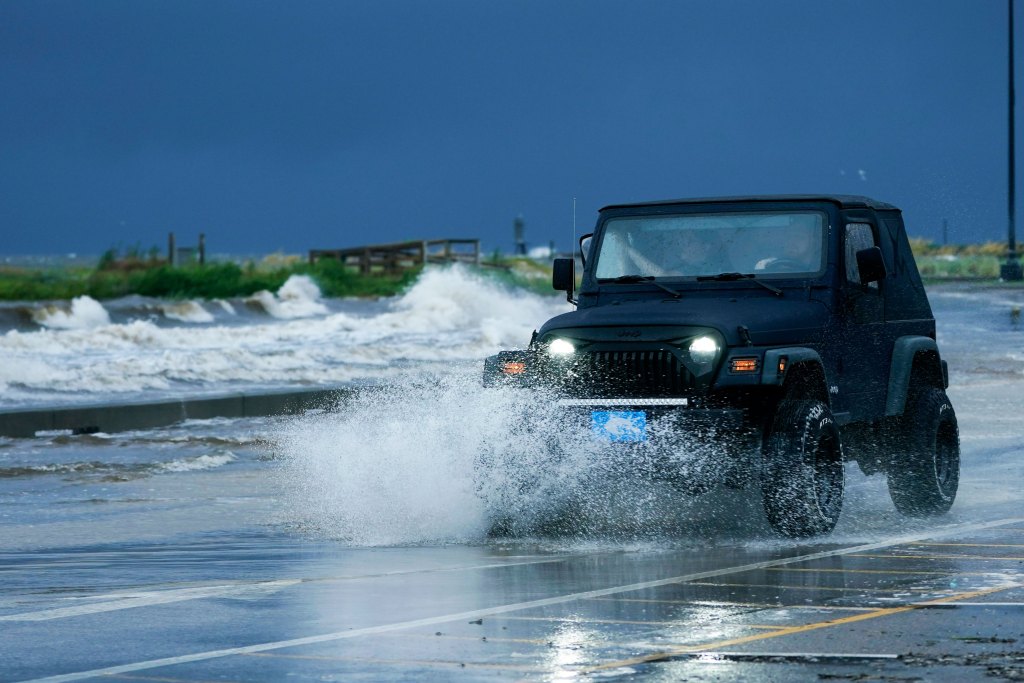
(903, 352)
(795, 355)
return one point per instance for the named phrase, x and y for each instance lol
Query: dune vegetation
(119, 274)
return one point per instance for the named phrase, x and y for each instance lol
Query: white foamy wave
(83, 313)
(455, 299)
(187, 312)
(449, 316)
(299, 297)
(202, 462)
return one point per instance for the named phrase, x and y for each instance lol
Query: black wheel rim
(828, 474)
(947, 457)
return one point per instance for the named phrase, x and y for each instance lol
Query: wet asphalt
(942, 603)
(160, 575)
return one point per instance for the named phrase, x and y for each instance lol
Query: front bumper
(680, 412)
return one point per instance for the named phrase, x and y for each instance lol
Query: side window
(858, 236)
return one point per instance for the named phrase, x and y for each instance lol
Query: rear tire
(924, 481)
(802, 471)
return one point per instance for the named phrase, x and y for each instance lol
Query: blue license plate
(619, 426)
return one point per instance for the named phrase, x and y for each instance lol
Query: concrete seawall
(85, 419)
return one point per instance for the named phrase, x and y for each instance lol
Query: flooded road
(352, 545)
(943, 603)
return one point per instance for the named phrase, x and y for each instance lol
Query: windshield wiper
(627, 278)
(642, 278)
(733, 276)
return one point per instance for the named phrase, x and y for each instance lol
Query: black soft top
(844, 201)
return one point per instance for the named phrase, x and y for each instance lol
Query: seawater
(136, 348)
(424, 454)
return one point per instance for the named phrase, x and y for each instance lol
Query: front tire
(924, 481)
(802, 471)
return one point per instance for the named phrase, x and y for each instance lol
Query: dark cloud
(291, 125)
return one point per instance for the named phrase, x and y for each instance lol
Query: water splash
(442, 459)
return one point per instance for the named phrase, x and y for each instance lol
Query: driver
(798, 251)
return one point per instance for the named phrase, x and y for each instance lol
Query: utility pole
(1011, 270)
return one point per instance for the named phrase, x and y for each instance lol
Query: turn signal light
(513, 368)
(743, 365)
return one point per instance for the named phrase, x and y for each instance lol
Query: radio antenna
(572, 247)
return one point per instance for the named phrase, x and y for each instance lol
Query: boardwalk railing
(393, 259)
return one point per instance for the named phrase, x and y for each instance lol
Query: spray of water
(442, 459)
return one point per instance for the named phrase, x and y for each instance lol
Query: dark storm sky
(289, 125)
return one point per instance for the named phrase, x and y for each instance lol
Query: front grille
(629, 373)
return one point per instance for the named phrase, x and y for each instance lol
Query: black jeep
(795, 327)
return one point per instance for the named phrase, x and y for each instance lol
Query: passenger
(685, 252)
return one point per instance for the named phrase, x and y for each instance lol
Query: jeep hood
(769, 320)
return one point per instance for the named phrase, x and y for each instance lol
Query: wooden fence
(393, 259)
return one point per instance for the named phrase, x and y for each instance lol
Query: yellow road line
(939, 557)
(874, 571)
(733, 605)
(883, 612)
(813, 588)
(674, 622)
(968, 545)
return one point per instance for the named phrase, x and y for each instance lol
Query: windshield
(768, 244)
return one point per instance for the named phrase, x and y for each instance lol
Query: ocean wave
(115, 471)
(298, 297)
(450, 315)
(186, 312)
(82, 313)
(202, 462)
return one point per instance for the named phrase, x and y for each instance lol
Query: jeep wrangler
(796, 328)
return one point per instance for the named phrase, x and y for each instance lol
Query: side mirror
(870, 265)
(563, 276)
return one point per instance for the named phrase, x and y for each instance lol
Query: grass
(117, 275)
(958, 261)
(117, 278)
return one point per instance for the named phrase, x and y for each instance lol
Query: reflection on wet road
(948, 598)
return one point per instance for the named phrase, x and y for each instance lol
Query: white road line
(128, 600)
(515, 607)
(147, 598)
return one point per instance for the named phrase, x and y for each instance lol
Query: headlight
(561, 347)
(703, 349)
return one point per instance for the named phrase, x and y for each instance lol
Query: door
(865, 359)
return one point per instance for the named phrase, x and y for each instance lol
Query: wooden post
(170, 249)
(202, 249)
